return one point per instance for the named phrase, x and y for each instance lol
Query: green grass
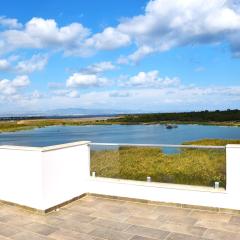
(189, 166)
(13, 126)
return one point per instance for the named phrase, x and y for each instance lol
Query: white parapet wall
(42, 178)
(176, 193)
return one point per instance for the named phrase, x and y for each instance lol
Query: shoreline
(22, 125)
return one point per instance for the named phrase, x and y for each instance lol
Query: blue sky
(130, 55)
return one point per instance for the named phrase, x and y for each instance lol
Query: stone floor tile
(139, 208)
(93, 203)
(8, 230)
(102, 213)
(80, 218)
(117, 226)
(109, 234)
(235, 220)
(143, 222)
(218, 225)
(4, 238)
(147, 232)
(96, 218)
(174, 211)
(182, 228)
(177, 219)
(62, 234)
(179, 236)
(213, 216)
(81, 209)
(25, 235)
(40, 228)
(136, 237)
(221, 235)
(76, 226)
(15, 219)
(48, 220)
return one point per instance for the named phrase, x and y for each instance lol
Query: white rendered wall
(233, 169)
(20, 176)
(43, 177)
(65, 172)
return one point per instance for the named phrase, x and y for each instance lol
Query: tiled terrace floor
(94, 218)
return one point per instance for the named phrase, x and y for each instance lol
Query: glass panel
(191, 166)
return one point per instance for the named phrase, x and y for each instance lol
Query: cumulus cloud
(164, 24)
(151, 79)
(85, 80)
(35, 63)
(43, 33)
(90, 76)
(11, 87)
(24, 66)
(172, 23)
(11, 23)
(110, 38)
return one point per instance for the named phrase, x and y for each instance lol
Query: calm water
(117, 134)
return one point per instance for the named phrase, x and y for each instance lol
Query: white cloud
(109, 39)
(98, 68)
(4, 65)
(20, 81)
(90, 76)
(181, 98)
(165, 24)
(119, 94)
(40, 33)
(151, 79)
(26, 66)
(9, 22)
(66, 93)
(140, 53)
(36, 95)
(171, 23)
(85, 80)
(11, 87)
(35, 63)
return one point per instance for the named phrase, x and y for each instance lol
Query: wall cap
(233, 146)
(45, 149)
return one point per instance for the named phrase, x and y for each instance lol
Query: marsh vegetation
(191, 166)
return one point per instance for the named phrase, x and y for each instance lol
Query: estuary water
(148, 134)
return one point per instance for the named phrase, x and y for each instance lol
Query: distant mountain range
(65, 112)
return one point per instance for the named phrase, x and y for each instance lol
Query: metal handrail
(159, 145)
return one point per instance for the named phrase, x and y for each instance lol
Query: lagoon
(150, 134)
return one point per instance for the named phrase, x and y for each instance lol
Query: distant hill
(64, 112)
(80, 111)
